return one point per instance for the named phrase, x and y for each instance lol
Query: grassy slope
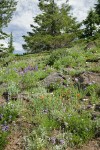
(48, 120)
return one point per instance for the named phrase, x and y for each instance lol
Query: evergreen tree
(7, 7)
(10, 44)
(55, 27)
(48, 20)
(90, 24)
(97, 9)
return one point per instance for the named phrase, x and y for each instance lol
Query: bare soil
(2, 101)
(91, 145)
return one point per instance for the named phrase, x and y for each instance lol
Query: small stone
(76, 79)
(97, 107)
(85, 99)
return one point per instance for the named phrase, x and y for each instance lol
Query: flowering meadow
(51, 99)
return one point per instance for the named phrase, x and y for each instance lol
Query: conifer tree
(10, 44)
(90, 24)
(97, 9)
(7, 7)
(55, 27)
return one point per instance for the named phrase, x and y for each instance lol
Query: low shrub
(8, 113)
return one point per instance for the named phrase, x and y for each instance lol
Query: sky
(27, 9)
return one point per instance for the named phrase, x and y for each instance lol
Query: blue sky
(27, 9)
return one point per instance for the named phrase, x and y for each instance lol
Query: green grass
(8, 113)
(59, 119)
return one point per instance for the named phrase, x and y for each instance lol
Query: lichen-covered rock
(57, 78)
(68, 70)
(88, 78)
(90, 45)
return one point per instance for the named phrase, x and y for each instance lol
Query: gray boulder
(56, 78)
(88, 78)
(90, 45)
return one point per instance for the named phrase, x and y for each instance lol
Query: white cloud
(23, 20)
(18, 45)
(27, 9)
(81, 8)
(23, 17)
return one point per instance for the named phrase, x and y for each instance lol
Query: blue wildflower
(5, 128)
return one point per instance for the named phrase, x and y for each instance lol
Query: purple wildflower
(62, 141)
(53, 140)
(27, 69)
(32, 69)
(5, 128)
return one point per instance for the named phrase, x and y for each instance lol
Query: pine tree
(51, 15)
(55, 27)
(7, 7)
(10, 44)
(97, 9)
(90, 24)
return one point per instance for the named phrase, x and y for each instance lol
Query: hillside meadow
(50, 100)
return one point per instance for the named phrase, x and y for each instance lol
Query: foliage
(58, 116)
(8, 114)
(55, 55)
(7, 7)
(97, 9)
(90, 24)
(52, 115)
(66, 58)
(51, 31)
(12, 89)
(10, 44)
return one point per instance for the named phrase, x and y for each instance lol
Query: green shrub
(56, 55)
(13, 89)
(81, 127)
(8, 113)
